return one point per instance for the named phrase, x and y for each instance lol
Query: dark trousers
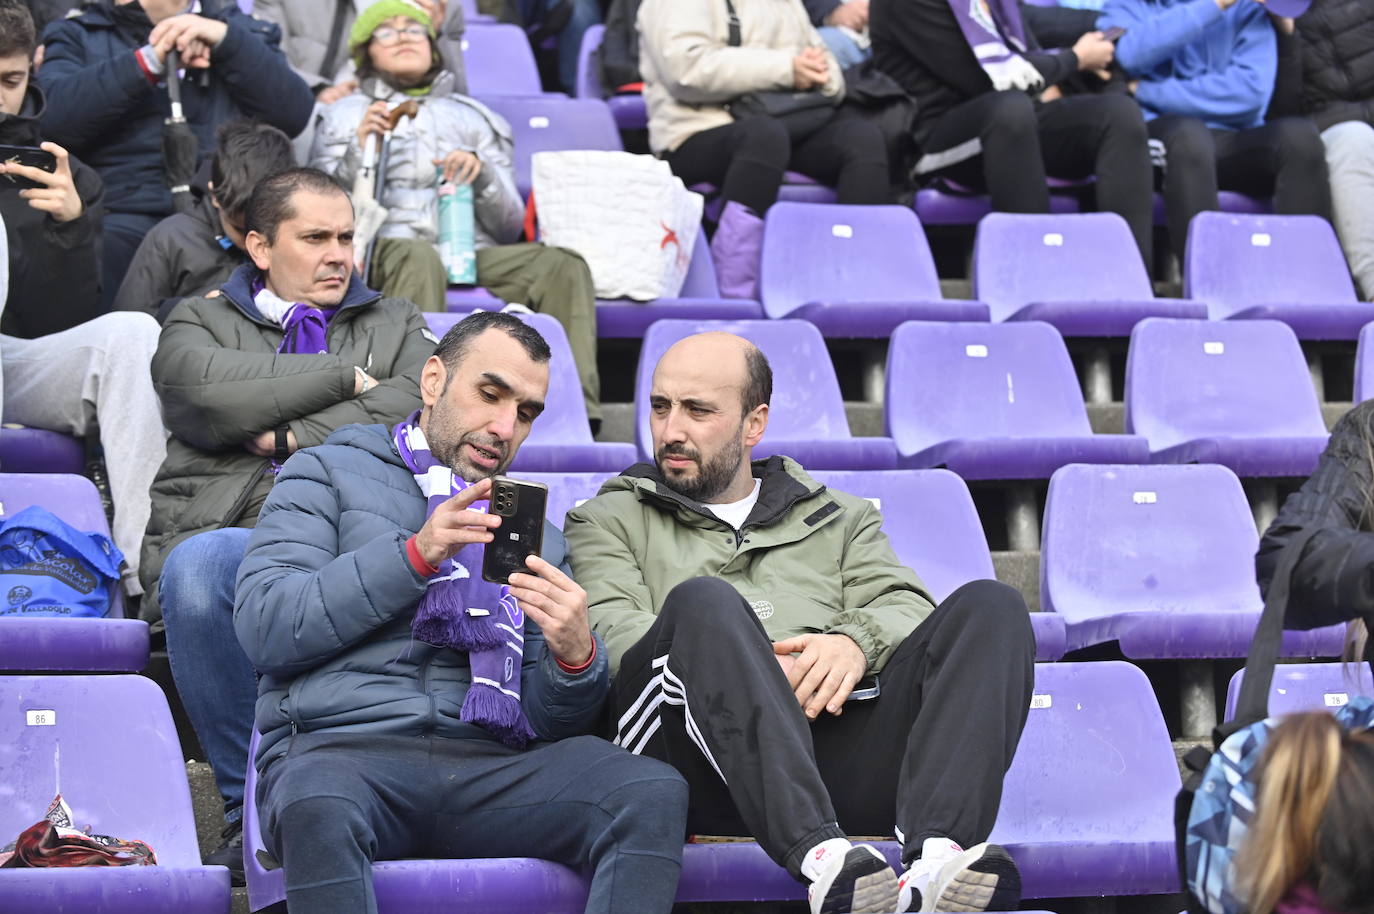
(703, 691)
(1284, 158)
(747, 159)
(336, 802)
(1006, 143)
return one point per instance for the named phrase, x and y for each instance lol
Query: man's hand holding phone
(454, 525)
(558, 606)
(55, 190)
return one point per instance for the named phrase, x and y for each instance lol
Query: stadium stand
(499, 61)
(628, 108)
(107, 745)
(111, 644)
(547, 122)
(1307, 687)
(37, 450)
(806, 420)
(1236, 393)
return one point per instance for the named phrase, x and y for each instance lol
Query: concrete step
(1020, 570)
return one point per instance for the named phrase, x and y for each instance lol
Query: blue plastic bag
(49, 568)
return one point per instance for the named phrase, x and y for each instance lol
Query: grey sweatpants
(96, 373)
(1350, 161)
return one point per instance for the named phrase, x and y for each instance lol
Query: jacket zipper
(242, 502)
(424, 687)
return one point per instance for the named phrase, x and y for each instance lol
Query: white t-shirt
(735, 513)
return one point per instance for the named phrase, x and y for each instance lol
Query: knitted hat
(375, 15)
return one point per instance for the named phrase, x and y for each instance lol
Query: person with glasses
(451, 138)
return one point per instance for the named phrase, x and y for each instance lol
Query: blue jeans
(843, 47)
(217, 684)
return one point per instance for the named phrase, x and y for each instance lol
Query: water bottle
(457, 233)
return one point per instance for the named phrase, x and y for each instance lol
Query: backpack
(1213, 811)
(49, 568)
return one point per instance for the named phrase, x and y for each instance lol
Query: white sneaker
(861, 882)
(982, 878)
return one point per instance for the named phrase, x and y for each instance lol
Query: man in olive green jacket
(751, 617)
(292, 347)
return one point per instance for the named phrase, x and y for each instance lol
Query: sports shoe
(861, 881)
(230, 853)
(982, 878)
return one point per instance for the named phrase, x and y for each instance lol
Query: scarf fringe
(492, 709)
(443, 620)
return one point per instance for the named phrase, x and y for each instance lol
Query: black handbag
(802, 113)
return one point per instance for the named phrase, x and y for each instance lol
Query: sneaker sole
(991, 882)
(873, 887)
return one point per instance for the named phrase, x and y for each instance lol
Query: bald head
(719, 362)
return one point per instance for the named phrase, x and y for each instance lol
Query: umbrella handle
(173, 65)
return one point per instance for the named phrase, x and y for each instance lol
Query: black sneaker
(230, 853)
(861, 881)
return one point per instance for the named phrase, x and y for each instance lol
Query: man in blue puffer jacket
(1204, 73)
(103, 74)
(384, 739)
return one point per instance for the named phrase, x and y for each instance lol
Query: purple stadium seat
(1159, 558)
(854, 271)
(806, 420)
(628, 109)
(699, 299)
(1087, 806)
(111, 644)
(1364, 365)
(471, 13)
(934, 529)
(37, 450)
(561, 440)
(567, 491)
(121, 771)
(944, 203)
(1308, 687)
(1289, 268)
(1080, 273)
(499, 61)
(992, 401)
(1236, 393)
(550, 123)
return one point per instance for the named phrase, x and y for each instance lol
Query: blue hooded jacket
(102, 108)
(1195, 60)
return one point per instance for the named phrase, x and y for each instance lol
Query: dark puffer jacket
(1333, 581)
(103, 108)
(221, 382)
(54, 267)
(1338, 61)
(326, 597)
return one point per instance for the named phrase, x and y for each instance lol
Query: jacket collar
(784, 483)
(238, 289)
(22, 129)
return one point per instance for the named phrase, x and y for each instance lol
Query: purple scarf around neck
(462, 611)
(303, 326)
(989, 26)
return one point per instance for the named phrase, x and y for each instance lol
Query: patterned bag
(49, 568)
(1214, 809)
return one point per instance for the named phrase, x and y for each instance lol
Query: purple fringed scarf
(461, 610)
(988, 27)
(303, 326)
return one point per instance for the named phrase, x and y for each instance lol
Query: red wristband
(577, 669)
(417, 561)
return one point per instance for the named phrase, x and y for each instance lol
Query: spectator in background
(48, 11)
(377, 742)
(103, 75)
(292, 347)
(548, 16)
(741, 604)
(1338, 95)
(978, 76)
(843, 26)
(190, 254)
(392, 44)
(66, 368)
(1204, 72)
(695, 67)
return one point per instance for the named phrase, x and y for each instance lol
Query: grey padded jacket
(325, 600)
(447, 121)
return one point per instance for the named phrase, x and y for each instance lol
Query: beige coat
(690, 71)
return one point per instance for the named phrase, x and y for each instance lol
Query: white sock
(818, 859)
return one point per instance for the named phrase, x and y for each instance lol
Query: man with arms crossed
(742, 603)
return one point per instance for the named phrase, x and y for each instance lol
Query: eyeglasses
(386, 35)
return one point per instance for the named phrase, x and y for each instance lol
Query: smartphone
(865, 690)
(521, 506)
(1113, 33)
(25, 155)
